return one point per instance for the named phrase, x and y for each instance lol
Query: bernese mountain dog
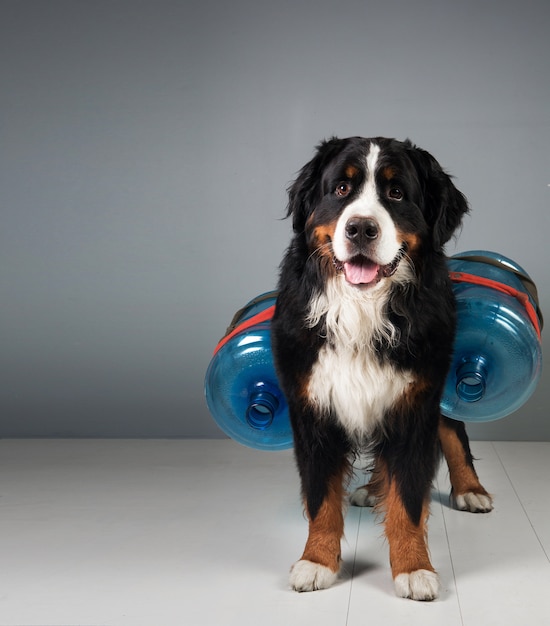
(362, 340)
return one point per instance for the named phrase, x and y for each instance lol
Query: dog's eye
(394, 193)
(343, 189)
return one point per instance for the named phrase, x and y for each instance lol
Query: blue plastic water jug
(241, 387)
(497, 360)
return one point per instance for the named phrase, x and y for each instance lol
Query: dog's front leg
(320, 563)
(323, 491)
(412, 571)
(405, 525)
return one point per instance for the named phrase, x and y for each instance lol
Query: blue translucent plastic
(496, 364)
(241, 387)
(497, 360)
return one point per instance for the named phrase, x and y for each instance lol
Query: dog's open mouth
(362, 271)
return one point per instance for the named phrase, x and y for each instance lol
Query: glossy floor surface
(202, 533)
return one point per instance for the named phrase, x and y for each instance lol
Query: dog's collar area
(362, 271)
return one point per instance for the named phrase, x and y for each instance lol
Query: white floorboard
(501, 571)
(202, 533)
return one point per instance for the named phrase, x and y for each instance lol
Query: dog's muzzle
(360, 270)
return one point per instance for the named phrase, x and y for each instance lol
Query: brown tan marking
(351, 171)
(462, 475)
(408, 547)
(388, 172)
(412, 396)
(320, 242)
(321, 234)
(324, 234)
(326, 530)
(412, 240)
(407, 541)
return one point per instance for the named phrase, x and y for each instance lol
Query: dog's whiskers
(321, 251)
(410, 263)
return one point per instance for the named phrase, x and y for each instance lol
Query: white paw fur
(309, 576)
(361, 497)
(473, 502)
(418, 585)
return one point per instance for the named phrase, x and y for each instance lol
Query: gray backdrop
(145, 152)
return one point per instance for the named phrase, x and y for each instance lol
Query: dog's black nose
(361, 229)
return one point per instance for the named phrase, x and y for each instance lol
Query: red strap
(457, 277)
(262, 316)
(523, 298)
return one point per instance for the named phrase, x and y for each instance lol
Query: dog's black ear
(444, 205)
(307, 190)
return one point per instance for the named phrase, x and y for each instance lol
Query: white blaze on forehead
(372, 159)
(367, 204)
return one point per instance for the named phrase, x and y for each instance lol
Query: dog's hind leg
(365, 495)
(362, 497)
(467, 494)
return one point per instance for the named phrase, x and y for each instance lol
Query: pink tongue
(360, 272)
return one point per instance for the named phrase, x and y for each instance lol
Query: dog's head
(364, 204)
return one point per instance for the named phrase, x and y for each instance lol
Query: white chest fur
(355, 387)
(348, 379)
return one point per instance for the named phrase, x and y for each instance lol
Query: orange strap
(262, 316)
(523, 298)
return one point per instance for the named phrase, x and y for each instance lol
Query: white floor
(192, 533)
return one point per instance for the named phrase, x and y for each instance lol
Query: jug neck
(471, 379)
(262, 406)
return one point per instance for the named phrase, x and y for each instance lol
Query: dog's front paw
(309, 576)
(362, 497)
(421, 584)
(473, 502)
